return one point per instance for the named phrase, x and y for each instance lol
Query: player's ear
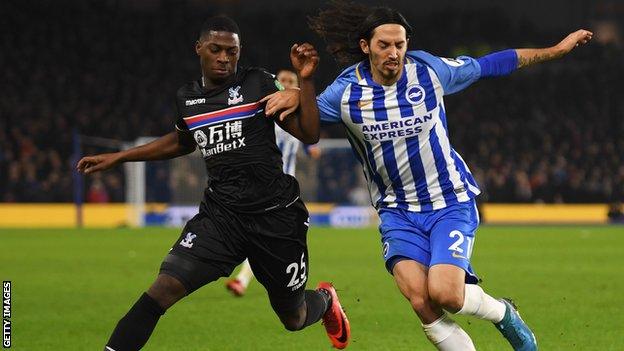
(364, 46)
(198, 46)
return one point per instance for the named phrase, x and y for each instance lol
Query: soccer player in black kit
(251, 209)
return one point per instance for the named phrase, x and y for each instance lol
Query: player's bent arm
(305, 126)
(168, 146)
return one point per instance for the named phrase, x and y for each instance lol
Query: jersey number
(298, 271)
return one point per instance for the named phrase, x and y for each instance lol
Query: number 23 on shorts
(298, 273)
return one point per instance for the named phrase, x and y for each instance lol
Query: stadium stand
(548, 134)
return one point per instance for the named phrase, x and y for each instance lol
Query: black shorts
(217, 240)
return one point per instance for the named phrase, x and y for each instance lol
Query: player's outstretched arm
(306, 126)
(527, 57)
(166, 147)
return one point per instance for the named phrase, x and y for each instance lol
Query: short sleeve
(455, 74)
(329, 101)
(180, 124)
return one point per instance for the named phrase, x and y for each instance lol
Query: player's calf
(315, 304)
(135, 328)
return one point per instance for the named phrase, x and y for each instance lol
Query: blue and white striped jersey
(399, 133)
(289, 145)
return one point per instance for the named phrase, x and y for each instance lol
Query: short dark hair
(219, 23)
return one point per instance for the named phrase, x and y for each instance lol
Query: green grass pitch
(71, 286)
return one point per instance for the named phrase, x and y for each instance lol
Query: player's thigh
(402, 239)
(278, 255)
(208, 248)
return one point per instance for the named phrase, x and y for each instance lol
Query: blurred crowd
(552, 133)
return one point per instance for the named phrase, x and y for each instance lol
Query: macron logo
(195, 102)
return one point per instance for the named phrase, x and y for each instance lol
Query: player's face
(218, 53)
(386, 51)
(288, 79)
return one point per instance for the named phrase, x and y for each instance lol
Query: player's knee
(446, 296)
(419, 303)
(166, 290)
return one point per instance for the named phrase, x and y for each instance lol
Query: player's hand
(92, 164)
(314, 151)
(286, 101)
(580, 37)
(304, 59)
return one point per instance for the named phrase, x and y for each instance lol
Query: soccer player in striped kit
(289, 146)
(390, 101)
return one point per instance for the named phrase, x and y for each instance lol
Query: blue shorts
(444, 236)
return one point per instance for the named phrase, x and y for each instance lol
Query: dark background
(550, 133)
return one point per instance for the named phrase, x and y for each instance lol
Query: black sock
(136, 326)
(317, 303)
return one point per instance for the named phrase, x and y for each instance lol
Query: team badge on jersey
(415, 94)
(200, 138)
(235, 96)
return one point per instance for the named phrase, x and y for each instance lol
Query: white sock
(481, 305)
(245, 275)
(446, 335)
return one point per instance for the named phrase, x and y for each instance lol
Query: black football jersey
(237, 141)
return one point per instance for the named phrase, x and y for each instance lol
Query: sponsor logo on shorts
(386, 247)
(456, 255)
(188, 240)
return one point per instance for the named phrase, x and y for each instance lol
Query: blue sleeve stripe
(425, 81)
(354, 98)
(500, 63)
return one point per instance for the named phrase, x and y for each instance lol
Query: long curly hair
(343, 24)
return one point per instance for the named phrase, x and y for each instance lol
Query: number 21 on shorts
(297, 270)
(455, 248)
